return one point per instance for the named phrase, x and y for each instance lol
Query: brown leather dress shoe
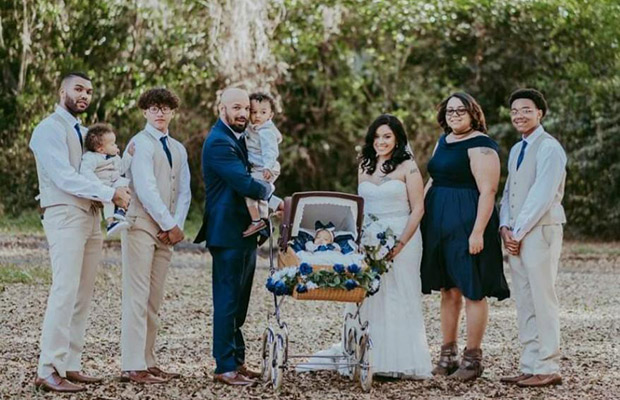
(248, 373)
(141, 377)
(254, 228)
(77, 376)
(515, 379)
(540, 380)
(55, 383)
(233, 378)
(156, 371)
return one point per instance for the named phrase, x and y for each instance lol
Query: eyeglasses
(459, 112)
(164, 110)
(526, 112)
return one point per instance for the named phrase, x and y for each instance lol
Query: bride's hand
(397, 249)
(476, 243)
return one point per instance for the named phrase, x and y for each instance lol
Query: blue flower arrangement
(354, 269)
(339, 268)
(305, 269)
(350, 284)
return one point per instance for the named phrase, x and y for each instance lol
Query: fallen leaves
(587, 286)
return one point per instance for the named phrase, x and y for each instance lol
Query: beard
(236, 125)
(72, 106)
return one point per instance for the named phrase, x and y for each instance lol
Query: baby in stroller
(323, 238)
(325, 245)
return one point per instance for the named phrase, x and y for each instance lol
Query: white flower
(291, 272)
(383, 251)
(375, 284)
(311, 285)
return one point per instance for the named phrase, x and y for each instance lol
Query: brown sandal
(471, 366)
(448, 360)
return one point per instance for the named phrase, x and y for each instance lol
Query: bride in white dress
(392, 188)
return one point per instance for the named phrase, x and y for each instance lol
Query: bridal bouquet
(378, 240)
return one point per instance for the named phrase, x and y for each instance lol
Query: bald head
(232, 95)
(235, 108)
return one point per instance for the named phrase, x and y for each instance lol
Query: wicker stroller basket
(301, 211)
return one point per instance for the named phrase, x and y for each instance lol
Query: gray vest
(49, 193)
(167, 178)
(521, 181)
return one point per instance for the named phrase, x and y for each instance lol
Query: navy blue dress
(451, 205)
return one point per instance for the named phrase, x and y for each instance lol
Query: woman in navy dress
(462, 254)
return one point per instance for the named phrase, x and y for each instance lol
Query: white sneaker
(117, 227)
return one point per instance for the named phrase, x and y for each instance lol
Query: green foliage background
(395, 56)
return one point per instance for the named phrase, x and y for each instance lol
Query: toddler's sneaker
(116, 227)
(119, 214)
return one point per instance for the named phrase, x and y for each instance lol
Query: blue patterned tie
(164, 142)
(77, 129)
(521, 154)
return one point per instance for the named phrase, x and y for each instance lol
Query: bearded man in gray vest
(160, 180)
(531, 219)
(72, 226)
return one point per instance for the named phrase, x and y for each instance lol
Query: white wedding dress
(396, 322)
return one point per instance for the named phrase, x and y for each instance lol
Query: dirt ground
(588, 285)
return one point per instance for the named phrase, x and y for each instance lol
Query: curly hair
(158, 97)
(474, 110)
(368, 158)
(95, 134)
(260, 97)
(531, 94)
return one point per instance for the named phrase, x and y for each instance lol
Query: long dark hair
(368, 158)
(473, 109)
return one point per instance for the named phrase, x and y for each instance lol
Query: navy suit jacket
(225, 169)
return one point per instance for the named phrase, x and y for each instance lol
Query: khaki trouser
(534, 274)
(145, 265)
(74, 238)
(263, 206)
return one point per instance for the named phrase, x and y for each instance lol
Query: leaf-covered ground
(588, 285)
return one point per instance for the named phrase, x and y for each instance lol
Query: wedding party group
(449, 232)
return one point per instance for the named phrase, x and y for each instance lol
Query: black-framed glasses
(459, 112)
(164, 110)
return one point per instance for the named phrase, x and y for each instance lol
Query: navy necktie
(521, 154)
(79, 134)
(164, 142)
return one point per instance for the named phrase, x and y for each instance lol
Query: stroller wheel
(363, 358)
(277, 366)
(351, 353)
(267, 354)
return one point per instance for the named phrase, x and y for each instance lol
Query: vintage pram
(301, 210)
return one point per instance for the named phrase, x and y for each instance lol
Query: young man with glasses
(531, 219)
(160, 179)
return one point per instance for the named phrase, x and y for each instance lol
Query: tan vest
(167, 179)
(522, 180)
(49, 193)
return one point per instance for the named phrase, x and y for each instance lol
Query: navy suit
(225, 169)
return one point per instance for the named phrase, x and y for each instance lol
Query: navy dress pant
(233, 273)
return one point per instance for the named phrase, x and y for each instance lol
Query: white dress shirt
(49, 145)
(145, 185)
(550, 167)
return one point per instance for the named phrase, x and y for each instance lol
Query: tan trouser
(145, 264)
(263, 206)
(74, 238)
(534, 274)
